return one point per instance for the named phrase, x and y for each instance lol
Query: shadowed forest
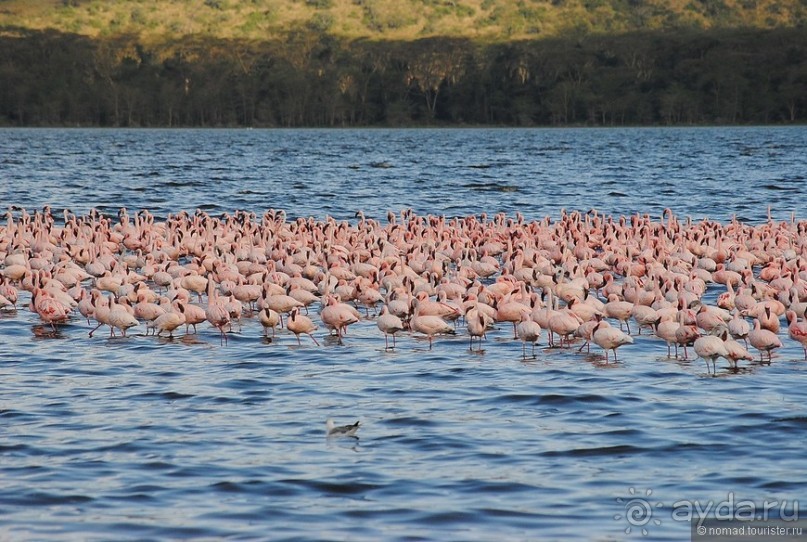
(309, 76)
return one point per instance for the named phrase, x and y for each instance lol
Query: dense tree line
(310, 79)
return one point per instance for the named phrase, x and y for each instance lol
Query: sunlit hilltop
(489, 20)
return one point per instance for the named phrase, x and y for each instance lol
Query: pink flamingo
(337, 316)
(797, 330)
(528, 332)
(763, 340)
(609, 338)
(119, 317)
(301, 324)
(268, 319)
(477, 323)
(170, 320)
(389, 324)
(430, 325)
(710, 347)
(49, 309)
(216, 313)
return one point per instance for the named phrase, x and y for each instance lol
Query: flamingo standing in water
(512, 311)
(585, 331)
(564, 323)
(121, 318)
(710, 347)
(609, 338)
(418, 257)
(763, 340)
(195, 283)
(194, 314)
(528, 332)
(797, 330)
(86, 305)
(739, 328)
(101, 315)
(666, 330)
(299, 323)
(389, 324)
(477, 324)
(430, 325)
(268, 319)
(216, 312)
(9, 292)
(619, 310)
(735, 350)
(50, 310)
(170, 320)
(149, 312)
(686, 333)
(337, 316)
(281, 304)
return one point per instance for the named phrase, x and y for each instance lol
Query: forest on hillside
(311, 78)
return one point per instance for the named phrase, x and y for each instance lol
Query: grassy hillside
(487, 20)
(401, 62)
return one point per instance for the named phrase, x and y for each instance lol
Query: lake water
(147, 438)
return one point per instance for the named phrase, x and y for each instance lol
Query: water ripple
(145, 438)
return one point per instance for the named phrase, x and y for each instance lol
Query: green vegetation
(311, 79)
(395, 20)
(401, 62)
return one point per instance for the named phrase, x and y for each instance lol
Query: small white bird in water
(341, 430)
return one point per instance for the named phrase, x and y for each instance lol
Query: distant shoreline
(649, 79)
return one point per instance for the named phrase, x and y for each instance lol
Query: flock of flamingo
(584, 278)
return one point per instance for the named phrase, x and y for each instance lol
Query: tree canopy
(557, 62)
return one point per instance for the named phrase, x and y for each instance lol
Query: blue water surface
(151, 439)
